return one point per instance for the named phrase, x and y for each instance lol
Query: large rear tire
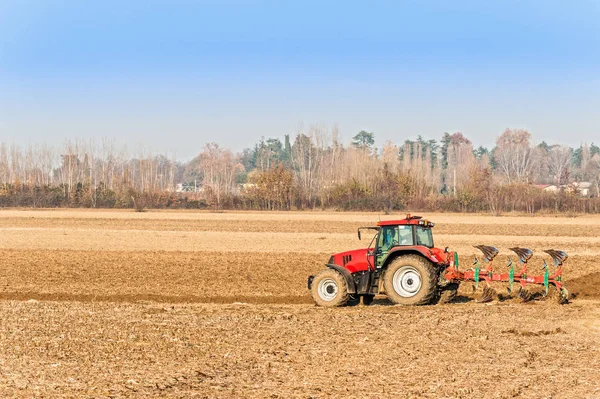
(329, 289)
(410, 280)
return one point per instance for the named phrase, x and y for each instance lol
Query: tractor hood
(354, 261)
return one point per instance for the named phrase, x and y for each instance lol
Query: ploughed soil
(98, 304)
(467, 350)
(585, 286)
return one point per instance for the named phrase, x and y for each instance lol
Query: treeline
(314, 169)
(85, 174)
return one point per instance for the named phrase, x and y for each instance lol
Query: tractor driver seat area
(395, 235)
(389, 238)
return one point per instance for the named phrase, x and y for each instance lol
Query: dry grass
(125, 304)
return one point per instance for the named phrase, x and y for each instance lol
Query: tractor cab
(394, 234)
(413, 234)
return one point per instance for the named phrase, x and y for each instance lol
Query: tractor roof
(416, 220)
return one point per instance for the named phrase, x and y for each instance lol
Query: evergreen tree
(364, 140)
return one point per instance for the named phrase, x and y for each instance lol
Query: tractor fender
(347, 276)
(416, 250)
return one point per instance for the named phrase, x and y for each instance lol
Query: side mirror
(446, 250)
(359, 234)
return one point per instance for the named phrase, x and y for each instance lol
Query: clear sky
(176, 74)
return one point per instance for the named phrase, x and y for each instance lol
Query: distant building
(584, 188)
(548, 187)
(188, 188)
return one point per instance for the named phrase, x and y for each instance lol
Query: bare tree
(461, 161)
(389, 156)
(219, 169)
(4, 165)
(514, 155)
(305, 162)
(559, 160)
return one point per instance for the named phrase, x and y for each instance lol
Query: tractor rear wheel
(329, 289)
(410, 280)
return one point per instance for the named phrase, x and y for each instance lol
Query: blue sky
(177, 74)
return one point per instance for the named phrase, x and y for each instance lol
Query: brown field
(98, 304)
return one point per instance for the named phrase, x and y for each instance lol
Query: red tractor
(402, 262)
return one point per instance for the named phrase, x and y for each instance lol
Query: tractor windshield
(424, 236)
(391, 236)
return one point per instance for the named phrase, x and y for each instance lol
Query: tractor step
(375, 278)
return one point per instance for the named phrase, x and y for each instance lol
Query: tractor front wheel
(410, 280)
(329, 289)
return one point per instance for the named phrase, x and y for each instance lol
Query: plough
(483, 271)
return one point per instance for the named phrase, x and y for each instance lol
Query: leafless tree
(559, 160)
(514, 155)
(305, 165)
(219, 169)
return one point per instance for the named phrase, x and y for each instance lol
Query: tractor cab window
(424, 236)
(386, 238)
(405, 236)
(390, 236)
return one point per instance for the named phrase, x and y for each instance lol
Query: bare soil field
(99, 304)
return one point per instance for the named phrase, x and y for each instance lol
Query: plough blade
(485, 273)
(558, 256)
(524, 295)
(488, 251)
(563, 296)
(487, 295)
(524, 253)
